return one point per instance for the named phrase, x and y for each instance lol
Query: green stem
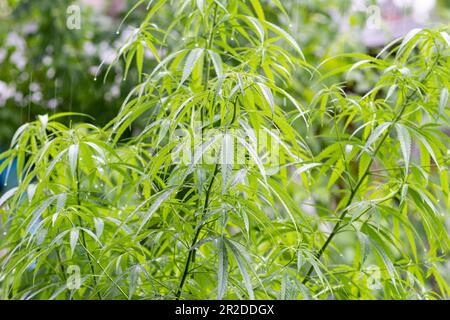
(106, 273)
(63, 270)
(83, 238)
(197, 234)
(191, 254)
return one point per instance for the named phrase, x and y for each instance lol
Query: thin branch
(354, 191)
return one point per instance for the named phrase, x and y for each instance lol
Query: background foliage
(355, 206)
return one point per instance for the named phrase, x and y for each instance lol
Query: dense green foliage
(235, 187)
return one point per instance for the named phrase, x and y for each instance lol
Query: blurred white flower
(115, 91)
(47, 60)
(93, 70)
(52, 103)
(23, 76)
(36, 97)
(2, 54)
(19, 60)
(34, 87)
(30, 28)
(423, 9)
(404, 3)
(6, 92)
(18, 97)
(51, 73)
(89, 49)
(107, 54)
(14, 40)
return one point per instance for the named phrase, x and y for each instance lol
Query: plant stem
(63, 270)
(83, 239)
(197, 234)
(107, 274)
(191, 254)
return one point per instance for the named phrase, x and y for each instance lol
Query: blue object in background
(7, 181)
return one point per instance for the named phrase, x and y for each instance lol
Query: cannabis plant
(218, 195)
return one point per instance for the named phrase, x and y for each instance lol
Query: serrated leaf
(410, 35)
(287, 37)
(160, 198)
(257, 26)
(428, 147)
(387, 261)
(60, 201)
(253, 153)
(404, 193)
(300, 260)
(140, 60)
(74, 233)
(443, 101)
(364, 245)
(258, 9)
(242, 269)
(390, 92)
(201, 6)
(44, 120)
(31, 190)
(446, 37)
(36, 214)
(405, 144)
(306, 167)
(338, 169)
(268, 96)
(191, 61)
(227, 159)
(357, 65)
(18, 133)
(133, 278)
(222, 273)
(376, 134)
(217, 62)
(99, 226)
(73, 158)
(7, 195)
